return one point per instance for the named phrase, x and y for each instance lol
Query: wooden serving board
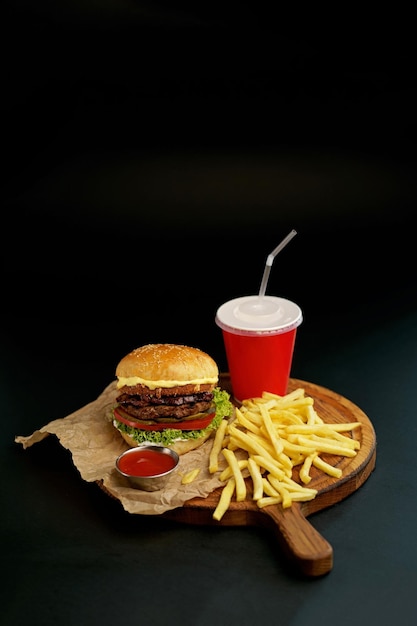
(299, 540)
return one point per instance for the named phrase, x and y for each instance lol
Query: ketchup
(146, 463)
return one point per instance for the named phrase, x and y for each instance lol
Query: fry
(268, 501)
(265, 443)
(312, 417)
(286, 498)
(321, 427)
(335, 438)
(237, 474)
(291, 486)
(286, 462)
(247, 423)
(269, 490)
(228, 472)
(271, 466)
(294, 450)
(217, 446)
(305, 470)
(256, 476)
(324, 445)
(224, 500)
(288, 399)
(270, 429)
(302, 496)
(190, 476)
(327, 431)
(283, 417)
(247, 443)
(326, 467)
(350, 443)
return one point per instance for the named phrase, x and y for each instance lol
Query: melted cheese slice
(167, 384)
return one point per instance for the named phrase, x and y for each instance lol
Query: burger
(169, 395)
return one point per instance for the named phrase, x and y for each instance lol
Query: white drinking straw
(270, 260)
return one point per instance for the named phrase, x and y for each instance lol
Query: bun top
(166, 365)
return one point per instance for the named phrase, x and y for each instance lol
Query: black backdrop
(154, 156)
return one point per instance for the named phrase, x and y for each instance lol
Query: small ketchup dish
(147, 467)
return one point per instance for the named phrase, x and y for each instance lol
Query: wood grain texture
(298, 539)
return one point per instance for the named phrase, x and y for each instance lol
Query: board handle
(301, 542)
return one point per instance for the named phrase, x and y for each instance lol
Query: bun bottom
(180, 447)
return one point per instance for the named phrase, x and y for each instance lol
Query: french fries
(269, 437)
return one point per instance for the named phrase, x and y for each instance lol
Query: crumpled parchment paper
(95, 445)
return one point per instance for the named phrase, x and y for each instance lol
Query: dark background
(153, 155)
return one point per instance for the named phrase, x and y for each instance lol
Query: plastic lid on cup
(252, 315)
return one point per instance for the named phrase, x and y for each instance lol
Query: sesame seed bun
(165, 363)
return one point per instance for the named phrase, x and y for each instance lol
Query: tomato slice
(196, 424)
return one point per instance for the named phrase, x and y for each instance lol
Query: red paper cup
(259, 338)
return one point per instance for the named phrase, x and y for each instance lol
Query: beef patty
(151, 407)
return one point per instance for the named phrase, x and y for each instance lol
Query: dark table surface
(148, 175)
